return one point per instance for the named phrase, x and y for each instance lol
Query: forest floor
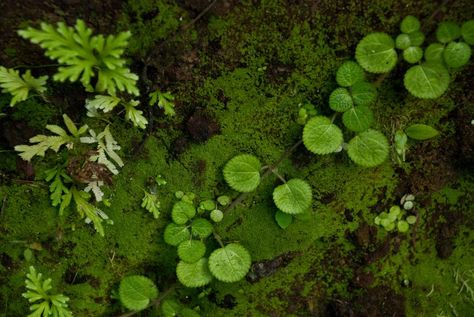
(240, 71)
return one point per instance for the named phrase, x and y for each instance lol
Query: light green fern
(84, 56)
(45, 304)
(53, 142)
(151, 203)
(19, 86)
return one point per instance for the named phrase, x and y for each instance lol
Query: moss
(149, 22)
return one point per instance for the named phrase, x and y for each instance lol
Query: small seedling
(395, 219)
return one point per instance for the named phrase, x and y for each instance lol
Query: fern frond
(58, 177)
(151, 203)
(85, 56)
(135, 115)
(37, 290)
(54, 142)
(164, 101)
(87, 210)
(19, 86)
(106, 147)
(101, 102)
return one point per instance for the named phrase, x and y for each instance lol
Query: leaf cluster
(322, 136)
(86, 57)
(188, 232)
(395, 219)
(20, 86)
(45, 304)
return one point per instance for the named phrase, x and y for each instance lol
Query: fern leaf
(151, 203)
(57, 188)
(102, 102)
(47, 304)
(85, 56)
(135, 115)
(19, 86)
(44, 142)
(106, 147)
(164, 101)
(87, 210)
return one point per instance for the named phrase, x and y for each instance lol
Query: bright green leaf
(293, 197)
(349, 73)
(410, 24)
(321, 136)
(434, 53)
(363, 93)
(358, 118)
(175, 234)
(283, 219)
(421, 132)
(402, 41)
(467, 31)
(230, 263)
(413, 54)
(340, 100)
(242, 173)
(182, 212)
(201, 228)
(457, 54)
(427, 81)
(191, 251)
(447, 32)
(136, 292)
(369, 148)
(194, 274)
(376, 53)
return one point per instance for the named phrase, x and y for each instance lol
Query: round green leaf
(402, 41)
(230, 263)
(201, 228)
(403, 226)
(175, 234)
(349, 73)
(283, 219)
(208, 205)
(364, 93)
(457, 54)
(358, 119)
(182, 212)
(416, 38)
(427, 81)
(410, 24)
(216, 215)
(191, 251)
(421, 132)
(188, 312)
(293, 197)
(223, 200)
(340, 100)
(376, 53)
(242, 173)
(434, 53)
(447, 32)
(194, 274)
(369, 148)
(467, 31)
(170, 308)
(413, 54)
(321, 136)
(411, 219)
(136, 291)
